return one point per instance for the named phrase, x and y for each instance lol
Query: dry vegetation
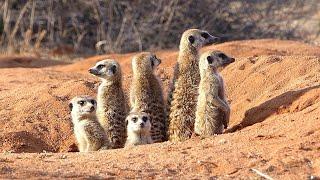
(273, 87)
(77, 26)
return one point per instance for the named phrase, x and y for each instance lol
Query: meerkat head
(83, 107)
(145, 62)
(108, 69)
(196, 38)
(138, 123)
(215, 60)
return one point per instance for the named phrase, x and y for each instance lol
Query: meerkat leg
(92, 144)
(220, 103)
(82, 146)
(222, 96)
(82, 143)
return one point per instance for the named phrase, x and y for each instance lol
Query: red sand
(273, 88)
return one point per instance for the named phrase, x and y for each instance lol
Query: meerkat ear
(70, 106)
(191, 39)
(112, 70)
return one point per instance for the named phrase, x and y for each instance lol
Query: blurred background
(85, 27)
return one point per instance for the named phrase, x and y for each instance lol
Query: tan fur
(184, 90)
(146, 94)
(136, 134)
(88, 132)
(111, 110)
(213, 111)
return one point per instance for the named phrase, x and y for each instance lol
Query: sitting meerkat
(183, 92)
(138, 129)
(88, 131)
(111, 102)
(213, 111)
(146, 93)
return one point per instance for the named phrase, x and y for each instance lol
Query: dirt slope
(273, 88)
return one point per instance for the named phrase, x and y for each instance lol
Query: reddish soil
(274, 92)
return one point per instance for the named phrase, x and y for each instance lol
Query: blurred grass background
(84, 27)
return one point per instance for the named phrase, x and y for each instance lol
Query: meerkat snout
(209, 39)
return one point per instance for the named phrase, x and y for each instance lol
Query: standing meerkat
(111, 103)
(146, 94)
(182, 97)
(138, 129)
(88, 131)
(213, 111)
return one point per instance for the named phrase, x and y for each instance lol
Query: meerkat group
(196, 102)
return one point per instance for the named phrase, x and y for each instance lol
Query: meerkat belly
(112, 119)
(182, 111)
(156, 110)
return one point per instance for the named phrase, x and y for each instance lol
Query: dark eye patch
(93, 102)
(221, 55)
(204, 35)
(191, 39)
(100, 66)
(209, 59)
(134, 119)
(81, 103)
(152, 63)
(144, 118)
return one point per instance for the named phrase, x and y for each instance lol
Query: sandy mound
(273, 88)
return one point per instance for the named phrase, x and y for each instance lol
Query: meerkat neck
(77, 118)
(188, 56)
(139, 137)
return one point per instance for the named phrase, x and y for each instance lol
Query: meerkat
(88, 131)
(213, 111)
(182, 97)
(138, 129)
(146, 93)
(111, 103)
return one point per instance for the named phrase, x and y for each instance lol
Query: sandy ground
(274, 92)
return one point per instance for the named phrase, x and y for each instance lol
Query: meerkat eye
(93, 102)
(144, 118)
(81, 103)
(204, 35)
(152, 63)
(191, 39)
(223, 56)
(100, 66)
(209, 59)
(134, 119)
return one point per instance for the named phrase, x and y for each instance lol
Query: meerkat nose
(90, 70)
(232, 60)
(142, 125)
(212, 40)
(92, 109)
